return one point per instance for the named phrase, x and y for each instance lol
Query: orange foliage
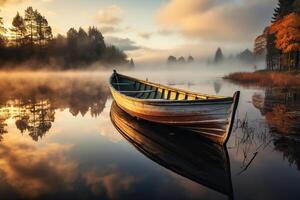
(287, 32)
(280, 118)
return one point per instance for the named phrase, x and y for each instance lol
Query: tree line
(172, 60)
(283, 37)
(30, 38)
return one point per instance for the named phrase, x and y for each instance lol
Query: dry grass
(265, 78)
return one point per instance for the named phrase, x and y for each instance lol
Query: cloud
(165, 32)
(125, 44)
(4, 2)
(145, 35)
(108, 29)
(33, 171)
(114, 184)
(111, 15)
(216, 20)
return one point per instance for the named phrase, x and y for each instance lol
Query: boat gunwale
(214, 99)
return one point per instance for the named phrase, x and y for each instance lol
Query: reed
(265, 78)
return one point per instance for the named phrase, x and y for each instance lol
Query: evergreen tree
(18, 29)
(131, 63)
(172, 60)
(219, 57)
(72, 44)
(79, 47)
(181, 60)
(83, 45)
(43, 30)
(30, 24)
(296, 6)
(190, 59)
(2, 32)
(284, 7)
(82, 35)
(97, 42)
(114, 55)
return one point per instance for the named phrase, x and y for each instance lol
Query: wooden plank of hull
(201, 116)
(179, 109)
(185, 154)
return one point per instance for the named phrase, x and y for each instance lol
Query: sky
(150, 30)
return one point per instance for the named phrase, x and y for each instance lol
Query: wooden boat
(211, 116)
(203, 162)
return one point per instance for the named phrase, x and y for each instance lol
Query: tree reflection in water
(281, 108)
(31, 102)
(2, 129)
(282, 113)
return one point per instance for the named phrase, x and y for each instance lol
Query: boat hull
(211, 118)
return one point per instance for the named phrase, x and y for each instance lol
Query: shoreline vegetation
(29, 44)
(265, 78)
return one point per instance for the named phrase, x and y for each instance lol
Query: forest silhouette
(31, 39)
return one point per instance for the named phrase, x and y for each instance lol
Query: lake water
(57, 141)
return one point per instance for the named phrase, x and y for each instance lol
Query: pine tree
(72, 44)
(284, 7)
(44, 31)
(219, 57)
(172, 60)
(97, 40)
(83, 48)
(30, 25)
(131, 63)
(18, 29)
(296, 6)
(2, 32)
(190, 59)
(181, 60)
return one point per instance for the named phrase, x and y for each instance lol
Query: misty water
(57, 141)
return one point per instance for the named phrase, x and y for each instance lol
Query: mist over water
(59, 123)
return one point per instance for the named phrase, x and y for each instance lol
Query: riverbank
(265, 78)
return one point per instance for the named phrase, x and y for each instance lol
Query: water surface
(57, 141)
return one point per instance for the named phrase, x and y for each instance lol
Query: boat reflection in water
(185, 154)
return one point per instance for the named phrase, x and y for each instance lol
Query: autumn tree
(287, 35)
(18, 29)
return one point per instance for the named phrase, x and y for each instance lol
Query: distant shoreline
(265, 78)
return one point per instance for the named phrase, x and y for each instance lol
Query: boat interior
(146, 90)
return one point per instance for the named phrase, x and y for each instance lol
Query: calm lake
(57, 141)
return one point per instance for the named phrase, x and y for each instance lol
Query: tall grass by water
(265, 78)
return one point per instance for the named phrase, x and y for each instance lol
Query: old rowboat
(210, 116)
